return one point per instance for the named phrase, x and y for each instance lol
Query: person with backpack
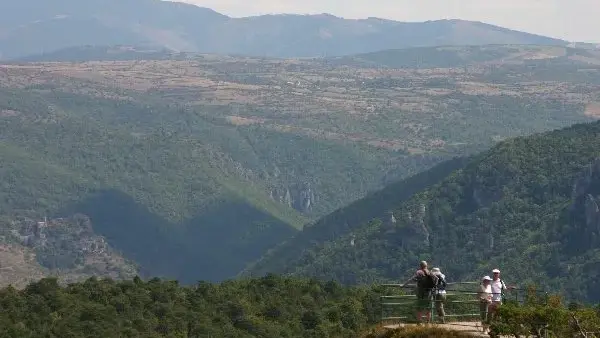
(440, 294)
(426, 282)
(498, 289)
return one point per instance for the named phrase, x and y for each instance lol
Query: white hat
(435, 270)
(487, 278)
(496, 271)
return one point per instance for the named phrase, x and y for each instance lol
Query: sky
(573, 20)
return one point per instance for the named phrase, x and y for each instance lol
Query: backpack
(428, 282)
(441, 285)
(503, 295)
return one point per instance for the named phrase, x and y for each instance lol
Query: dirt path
(472, 328)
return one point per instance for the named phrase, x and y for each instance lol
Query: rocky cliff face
(67, 247)
(411, 229)
(299, 196)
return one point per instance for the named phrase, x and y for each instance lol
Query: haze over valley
(160, 139)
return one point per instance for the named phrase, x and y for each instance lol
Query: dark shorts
(423, 298)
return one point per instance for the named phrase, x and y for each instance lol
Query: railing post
(381, 305)
(397, 306)
(432, 302)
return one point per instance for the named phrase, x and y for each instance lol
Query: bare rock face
(592, 212)
(299, 196)
(305, 199)
(588, 178)
(70, 246)
(424, 232)
(412, 228)
(391, 218)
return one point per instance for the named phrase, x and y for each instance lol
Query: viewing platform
(461, 307)
(472, 328)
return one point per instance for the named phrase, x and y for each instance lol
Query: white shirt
(497, 287)
(485, 292)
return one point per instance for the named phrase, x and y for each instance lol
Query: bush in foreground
(546, 318)
(416, 332)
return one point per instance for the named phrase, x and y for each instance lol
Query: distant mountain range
(40, 26)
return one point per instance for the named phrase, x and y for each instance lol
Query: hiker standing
(426, 281)
(498, 288)
(440, 294)
(485, 299)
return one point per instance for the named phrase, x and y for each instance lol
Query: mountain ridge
(344, 220)
(32, 27)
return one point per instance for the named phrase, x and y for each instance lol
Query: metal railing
(461, 303)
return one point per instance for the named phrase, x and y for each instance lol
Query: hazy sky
(575, 20)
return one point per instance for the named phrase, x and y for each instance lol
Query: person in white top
(498, 289)
(485, 299)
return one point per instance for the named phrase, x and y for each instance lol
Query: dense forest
(271, 306)
(528, 205)
(267, 307)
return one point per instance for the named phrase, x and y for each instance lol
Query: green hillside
(465, 56)
(81, 136)
(436, 57)
(194, 166)
(173, 188)
(347, 219)
(146, 193)
(528, 206)
(198, 142)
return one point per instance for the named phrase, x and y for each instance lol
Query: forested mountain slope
(193, 166)
(468, 56)
(58, 160)
(173, 190)
(344, 221)
(64, 247)
(528, 205)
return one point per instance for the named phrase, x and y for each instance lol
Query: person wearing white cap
(498, 288)
(485, 299)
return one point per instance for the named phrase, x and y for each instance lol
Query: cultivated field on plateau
(416, 100)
